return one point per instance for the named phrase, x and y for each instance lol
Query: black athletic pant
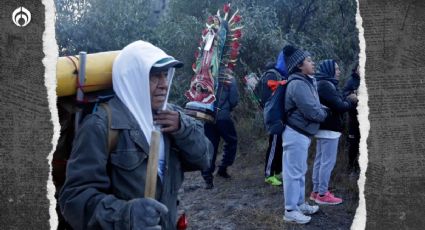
(273, 163)
(221, 129)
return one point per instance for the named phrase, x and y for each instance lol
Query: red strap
(82, 86)
(273, 84)
(73, 62)
(76, 70)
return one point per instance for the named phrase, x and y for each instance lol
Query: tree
(101, 25)
(326, 28)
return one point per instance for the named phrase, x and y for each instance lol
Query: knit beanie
(327, 67)
(294, 57)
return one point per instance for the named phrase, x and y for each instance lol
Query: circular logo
(21, 17)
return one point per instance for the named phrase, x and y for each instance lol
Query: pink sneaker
(328, 198)
(313, 195)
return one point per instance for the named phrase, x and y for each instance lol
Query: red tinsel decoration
(230, 65)
(226, 8)
(237, 18)
(237, 34)
(233, 54)
(210, 19)
(235, 45)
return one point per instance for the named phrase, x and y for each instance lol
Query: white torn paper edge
(50, 50)
(359, 221)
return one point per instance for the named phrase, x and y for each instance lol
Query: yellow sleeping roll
(98, 73)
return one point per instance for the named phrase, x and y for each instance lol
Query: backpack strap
(288, 113)
(292, 110)
(112, 133)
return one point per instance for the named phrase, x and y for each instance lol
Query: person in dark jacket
(330, 130)
(273, 163)
(304, 114)
(105, 190)
(227, 98)
(351, 87)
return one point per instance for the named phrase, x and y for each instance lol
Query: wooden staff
(152, 168)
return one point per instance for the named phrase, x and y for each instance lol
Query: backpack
(262, 90)
(67, 109)
(274, 109)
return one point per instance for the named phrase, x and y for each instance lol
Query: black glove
(146, 213)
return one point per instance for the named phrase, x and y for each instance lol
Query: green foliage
(177, 37)
(325, 28)
(100, 25)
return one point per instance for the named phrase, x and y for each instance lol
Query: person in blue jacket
(304, 114)
(224, 127)
(105, 190)
(330, 130)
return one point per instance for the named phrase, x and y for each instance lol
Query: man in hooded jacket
(106, 190)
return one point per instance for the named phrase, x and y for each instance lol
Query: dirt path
(247, 202)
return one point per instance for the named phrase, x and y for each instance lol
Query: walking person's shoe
(296, 216)
(222, 171)
(209, 182)
(313, 195)
(308, 209)
(279, 177)
(273, 180)
(328, 198)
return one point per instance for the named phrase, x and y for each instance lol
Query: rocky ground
(246, 202)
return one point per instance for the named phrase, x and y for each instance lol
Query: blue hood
(281, 65)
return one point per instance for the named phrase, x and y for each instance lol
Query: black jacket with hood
(331, 97)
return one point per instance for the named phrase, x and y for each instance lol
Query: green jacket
(100, 185)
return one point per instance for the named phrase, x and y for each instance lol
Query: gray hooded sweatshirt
(302, 104)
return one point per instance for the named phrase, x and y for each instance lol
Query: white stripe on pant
(294, 161)
(271, 156)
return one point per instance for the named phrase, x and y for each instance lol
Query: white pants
(295, 152)
(326, 151)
